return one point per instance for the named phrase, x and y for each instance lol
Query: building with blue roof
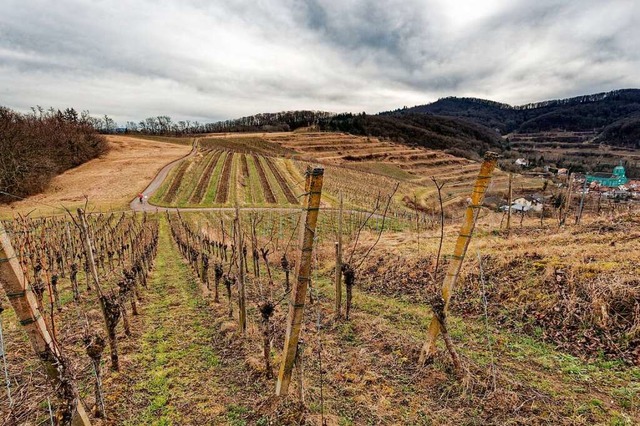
(619, 177)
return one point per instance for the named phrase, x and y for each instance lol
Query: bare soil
(223, 186)
(268, 193)
(291, 198)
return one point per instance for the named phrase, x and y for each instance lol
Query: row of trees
(39, 145)
(164, 125)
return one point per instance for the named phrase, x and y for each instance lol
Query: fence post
(584, 191)
(299, 292)
(338, 269)
(477, 196)
(509, 205)
(239, 242)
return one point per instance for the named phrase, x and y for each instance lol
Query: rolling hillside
(454, 135)
(578, 114)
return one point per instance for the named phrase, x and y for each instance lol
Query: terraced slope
(266, 170)
(413, 166)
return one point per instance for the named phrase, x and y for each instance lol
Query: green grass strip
(254, 185)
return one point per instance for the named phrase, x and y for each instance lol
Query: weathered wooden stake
(584, 191)
(477, 196)
(509, 201)
(25, 306)
(567, 203)
(242, 316)
(110, 328)
(299, 291)
(338, 269)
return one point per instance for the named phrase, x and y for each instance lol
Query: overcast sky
(211, 60)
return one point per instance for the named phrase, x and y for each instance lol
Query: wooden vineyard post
(584, 191)
(26, 308)
(108, 318)
(509, 204)
(299, 291)
(242, 317)
(567, 203)
(477, 196)
(338, 271)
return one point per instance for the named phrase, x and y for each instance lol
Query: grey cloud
(210, 60)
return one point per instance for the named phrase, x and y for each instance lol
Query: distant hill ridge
(613, 114)
(470, 126)
(621, 94)
(454, 135)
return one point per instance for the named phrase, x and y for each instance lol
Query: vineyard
(318, 314)
(219, 178)
(265, 170)
(360, 168)
(414, 166)
(86, 277)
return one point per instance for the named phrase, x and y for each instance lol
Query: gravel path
(135, 204)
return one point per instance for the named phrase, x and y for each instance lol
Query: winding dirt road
(137, 206)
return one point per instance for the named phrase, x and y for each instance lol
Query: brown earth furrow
(223, 186)
(203, 184)
(175, 184)
(435, 163)
(245, 166)
(288, 193)
(268, 193)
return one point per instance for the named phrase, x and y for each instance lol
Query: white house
(527, 203)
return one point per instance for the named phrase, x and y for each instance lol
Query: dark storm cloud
(213, 60)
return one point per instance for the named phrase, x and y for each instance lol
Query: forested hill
(36, 147)
(624, 132)
(583, 113)
(454, 135)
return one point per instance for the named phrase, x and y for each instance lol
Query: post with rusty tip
(299, 291)
(26, 308)
(477, 197)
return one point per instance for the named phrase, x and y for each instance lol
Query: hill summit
(614, 115)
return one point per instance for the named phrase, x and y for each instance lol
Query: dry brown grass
(575, 286)
(110, 181)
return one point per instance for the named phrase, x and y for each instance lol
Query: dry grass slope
(110, 182)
